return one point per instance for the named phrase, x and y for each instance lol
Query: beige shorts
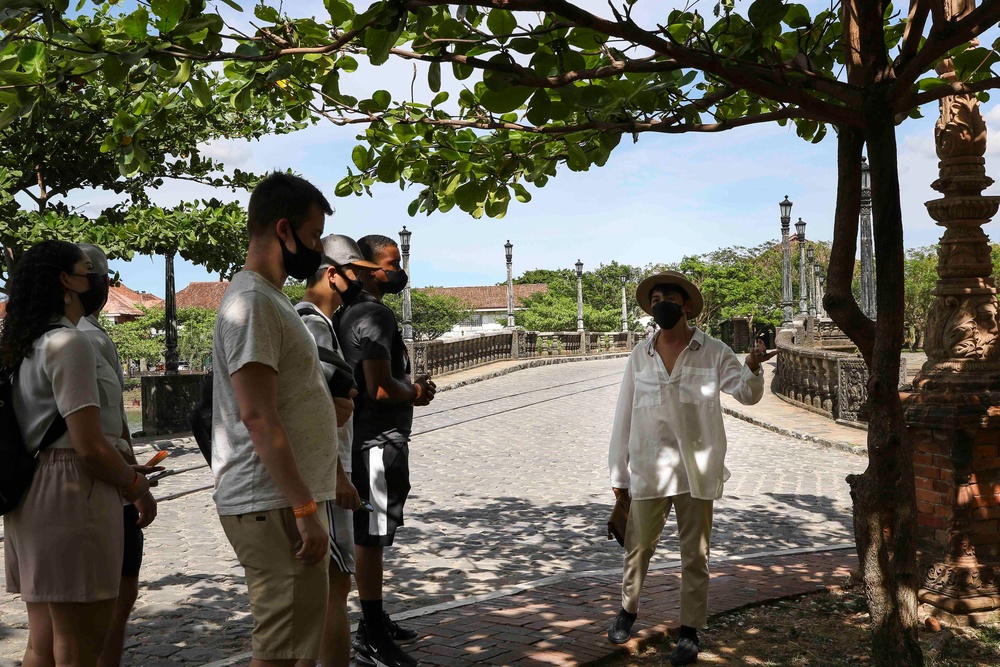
(287, 598)
(65, 542)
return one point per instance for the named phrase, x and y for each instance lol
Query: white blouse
(668, 437)
(60, 377)
(110, 384)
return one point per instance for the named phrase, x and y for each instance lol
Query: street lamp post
(800, 238)
(579, 296)
(624, 305)
(509, 248)
(786, 261)
(818, 286)
(811, 278)
(170, 355)
(867, 251)
(404, 247)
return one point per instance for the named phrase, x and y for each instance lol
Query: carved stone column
(953, 416)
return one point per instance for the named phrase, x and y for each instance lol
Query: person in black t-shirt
(383, 416)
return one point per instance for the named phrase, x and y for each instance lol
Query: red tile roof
(202, 295)
(124, 301)
(491, 297)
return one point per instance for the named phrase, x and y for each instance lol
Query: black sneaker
(399, 634)
(684, 653)
(387, 654)
(360, 640)
(621, 629)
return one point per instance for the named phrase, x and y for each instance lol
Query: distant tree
(920, 278)
(294, 290)
(194, 335)
(433, 315)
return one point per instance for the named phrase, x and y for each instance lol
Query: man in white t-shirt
(274, 428)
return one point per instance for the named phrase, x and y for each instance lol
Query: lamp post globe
(786, 207)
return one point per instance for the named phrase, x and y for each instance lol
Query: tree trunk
(884, 495)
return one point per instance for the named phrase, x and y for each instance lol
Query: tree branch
(839, 300)
(955, 88)
(945, 35)
(525, 76)
(915, 22)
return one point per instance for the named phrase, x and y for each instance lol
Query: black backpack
(17, 466)
(200, 419)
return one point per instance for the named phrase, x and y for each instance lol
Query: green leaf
(539, 108)
(202, 93)
(576, 159)
(340, 11)
(233, 4)
(797, 16)
(382, 99)
(508, 99)
(114, 70)
(134, 25)
(31, 55)
(347, 63)
(434, 77)
(440, 98)
(501, 23)
(931, 82)
(521, 193)
(267, 13)
(183, 74)
(170, 13)
(360, 158)
(414, 207)
(388, 169)
(765, 13)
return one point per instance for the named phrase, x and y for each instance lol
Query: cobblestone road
(509, 485)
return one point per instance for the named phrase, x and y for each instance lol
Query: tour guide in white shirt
(668, 446)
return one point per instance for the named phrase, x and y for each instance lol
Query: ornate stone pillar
(170, 356)
(953, 416)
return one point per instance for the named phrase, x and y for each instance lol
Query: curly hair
(36, 297)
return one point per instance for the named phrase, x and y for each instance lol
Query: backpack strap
(58, 427)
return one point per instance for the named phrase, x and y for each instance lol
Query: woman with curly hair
(63, 545)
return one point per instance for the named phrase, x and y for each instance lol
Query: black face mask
(396, 283)
(96, 295)
(354, 289)
(304, 262)
(667, 314)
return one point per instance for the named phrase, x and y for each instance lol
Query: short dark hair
(283, 195)
(667, 288)
(320, 272)
(374, 245)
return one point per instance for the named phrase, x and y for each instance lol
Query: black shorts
(382, 477)
(133, 543)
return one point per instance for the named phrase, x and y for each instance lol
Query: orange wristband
(304, 510)
(134, 485)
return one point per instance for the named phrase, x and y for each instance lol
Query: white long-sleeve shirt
(668, 437)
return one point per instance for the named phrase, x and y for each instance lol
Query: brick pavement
(509, 486)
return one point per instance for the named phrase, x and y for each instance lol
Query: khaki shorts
(287, 598)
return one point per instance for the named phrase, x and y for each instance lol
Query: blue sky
(655, 201)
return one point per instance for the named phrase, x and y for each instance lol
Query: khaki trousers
(694, 523)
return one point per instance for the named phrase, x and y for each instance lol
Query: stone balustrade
(439, 357)
(820, 370)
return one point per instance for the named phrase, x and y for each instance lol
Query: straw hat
(669, 278)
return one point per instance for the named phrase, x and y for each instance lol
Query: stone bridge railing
(820, 369)
(438, 357)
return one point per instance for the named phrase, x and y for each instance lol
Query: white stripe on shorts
(378, 521)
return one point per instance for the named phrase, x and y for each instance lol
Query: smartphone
(159, 456)
(366, 506)
(157, 475)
